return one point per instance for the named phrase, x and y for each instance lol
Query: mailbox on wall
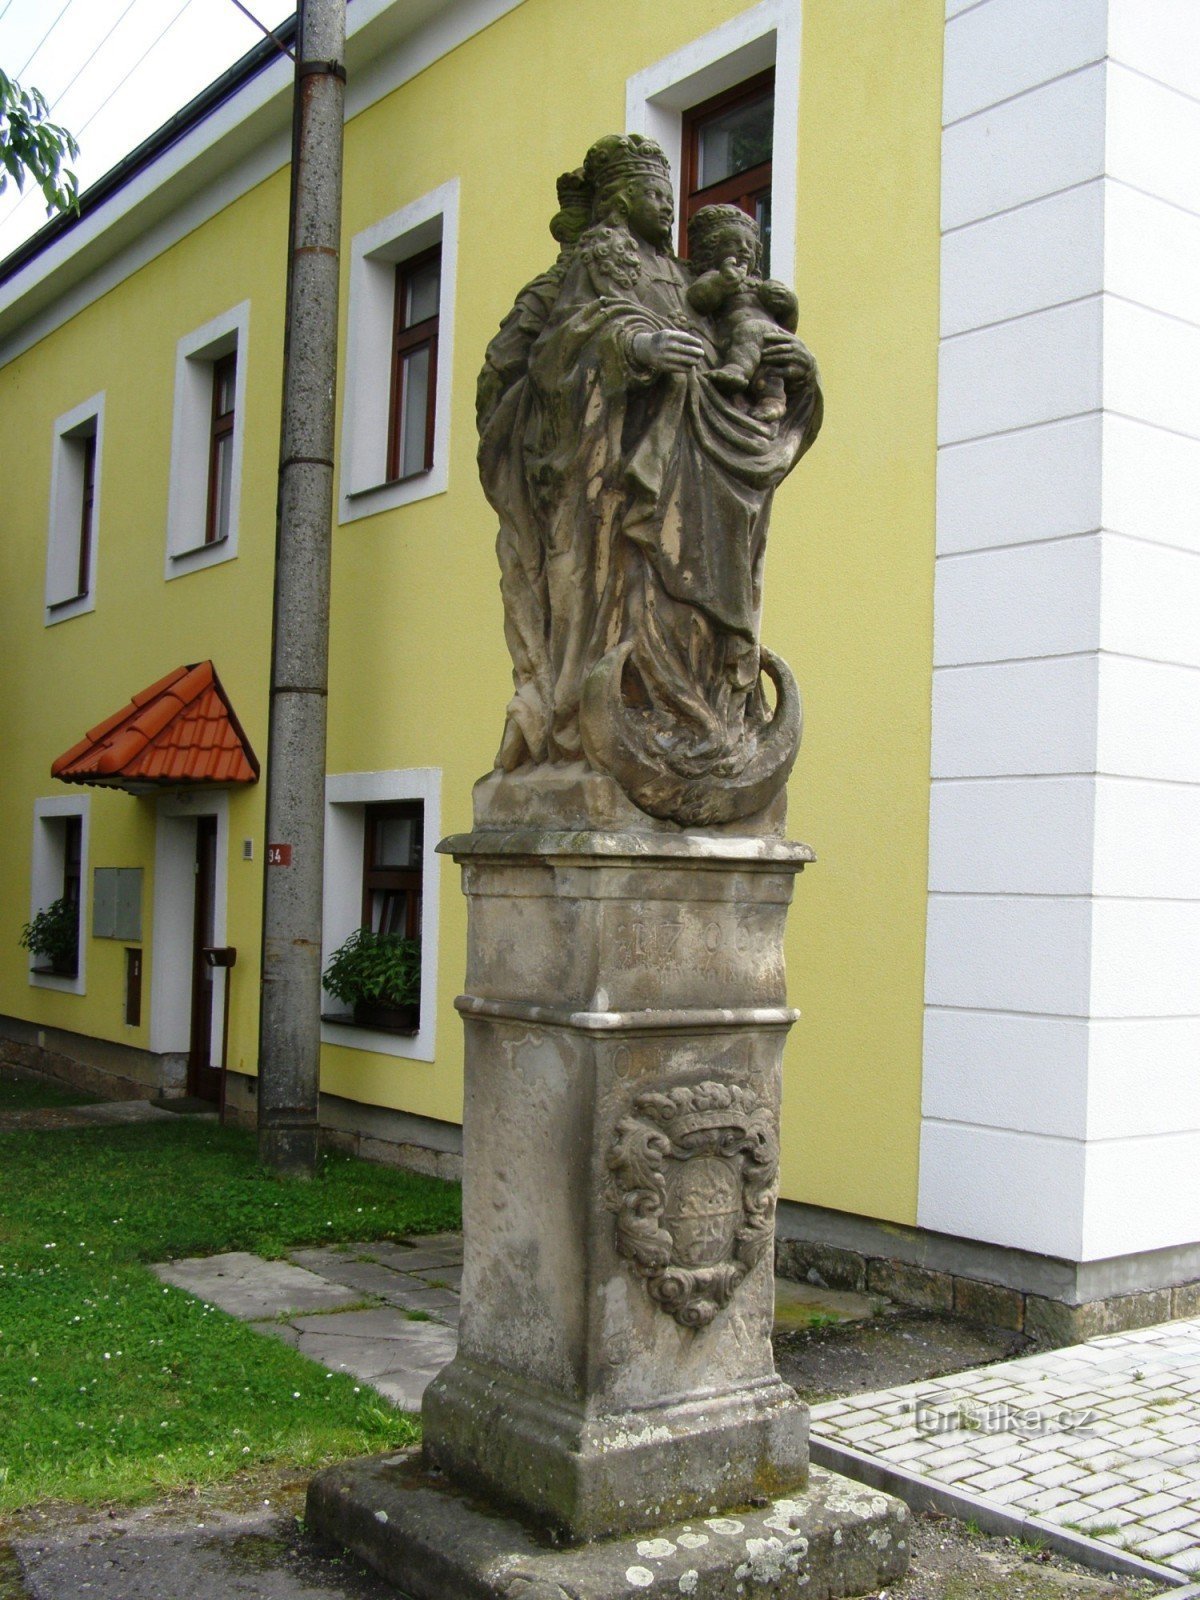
(117, 903)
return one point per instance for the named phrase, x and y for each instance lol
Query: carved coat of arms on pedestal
(693, 1172)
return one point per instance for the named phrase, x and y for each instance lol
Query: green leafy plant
(375, 966)
(54, 935)
(31, 146)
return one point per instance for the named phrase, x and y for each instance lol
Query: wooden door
(204, 1080)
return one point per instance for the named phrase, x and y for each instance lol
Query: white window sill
(199, 556)
(371, 500)
(56, 980)
(64, 610)
(410, 1046)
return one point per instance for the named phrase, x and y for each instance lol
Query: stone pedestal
(625, 1020)
(625, 1016)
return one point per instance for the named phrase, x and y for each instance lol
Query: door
(204, 1080)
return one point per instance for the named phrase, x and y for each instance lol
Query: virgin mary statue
(634, 496)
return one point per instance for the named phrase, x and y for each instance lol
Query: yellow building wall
(62, 680)
(419, 672)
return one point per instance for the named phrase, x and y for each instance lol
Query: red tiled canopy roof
(181, 730)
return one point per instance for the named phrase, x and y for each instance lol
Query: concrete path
(106, 1114)
(1100, 1439)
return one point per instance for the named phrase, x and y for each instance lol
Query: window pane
(422, 297)
(223, 486)
(394, 839)
(736, 140)
(762, 215)
(389, 911)
(225, 376)
(414, 410)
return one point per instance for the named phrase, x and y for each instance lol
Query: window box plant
(379, 976)
(53, 938)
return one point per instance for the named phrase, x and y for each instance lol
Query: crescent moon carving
(615, 743)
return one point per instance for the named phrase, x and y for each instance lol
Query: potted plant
(53, 935)
(379, 976)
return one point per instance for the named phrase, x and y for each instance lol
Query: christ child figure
(725, 255)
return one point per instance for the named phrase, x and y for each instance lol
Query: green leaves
(32, 146)
(375, 966)
(54, 934)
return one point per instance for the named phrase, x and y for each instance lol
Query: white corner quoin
(1061, 1105)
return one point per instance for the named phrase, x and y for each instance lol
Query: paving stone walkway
(1101, 1438)
(384, 1312)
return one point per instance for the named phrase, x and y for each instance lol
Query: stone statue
(625, 1005)
(725, 252)
(635, 418)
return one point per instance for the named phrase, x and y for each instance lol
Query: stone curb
(926, 1494)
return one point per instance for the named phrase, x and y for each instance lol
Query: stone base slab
(837, 1538)
(588, 1477)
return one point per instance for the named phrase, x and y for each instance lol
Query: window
(58, 876)
(414, 363)
(399, 351)
(727, 147)
(378, 875)
(724, 107)
(206, 444)
(74, 508)
(393, 847)
(220, 450)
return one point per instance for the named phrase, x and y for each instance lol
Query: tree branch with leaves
(32, 146)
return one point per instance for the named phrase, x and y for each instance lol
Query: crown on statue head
(618, 157)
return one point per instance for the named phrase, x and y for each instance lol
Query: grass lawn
(30, 1094)
(114, 1387)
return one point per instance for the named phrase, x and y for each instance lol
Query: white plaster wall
(1061, 1099)
(1143, 1150)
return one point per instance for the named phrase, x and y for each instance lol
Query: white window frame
(367, 386)
(66, 510)
(347, 794)
(187, 504)
(768, 35)
(46, 879)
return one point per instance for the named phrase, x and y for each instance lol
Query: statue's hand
(672, 350)
(784, 353)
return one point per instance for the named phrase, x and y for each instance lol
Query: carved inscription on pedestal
(693, 1172)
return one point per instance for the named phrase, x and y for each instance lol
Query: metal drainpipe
(290, 1026)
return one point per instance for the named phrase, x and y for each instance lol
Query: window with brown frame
(414, 365)
(72, 860)
(393, 845)
(727, 148)
(72, 882)
(87, 512)
(220, 450)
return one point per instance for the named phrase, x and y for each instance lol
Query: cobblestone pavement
(1101, 1438)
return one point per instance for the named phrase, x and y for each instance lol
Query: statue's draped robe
(633, 509)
